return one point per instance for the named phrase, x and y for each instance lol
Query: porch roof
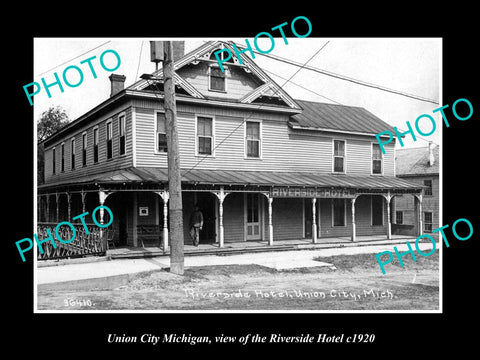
(157, 175)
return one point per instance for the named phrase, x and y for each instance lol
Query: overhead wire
(343, 77)
(76, 57)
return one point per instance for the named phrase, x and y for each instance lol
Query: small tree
(50, 121)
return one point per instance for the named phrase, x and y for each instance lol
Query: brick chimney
(431, 158)
(117, 83)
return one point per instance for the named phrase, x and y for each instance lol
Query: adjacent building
(418, 165)
(261, 165)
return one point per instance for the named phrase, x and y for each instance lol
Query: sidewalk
(279, 260)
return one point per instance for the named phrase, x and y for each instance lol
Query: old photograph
(269, 174)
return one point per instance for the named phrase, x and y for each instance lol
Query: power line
(346, 78)
(303, 87)
(251, 113)
(314, 92)
(76, 57)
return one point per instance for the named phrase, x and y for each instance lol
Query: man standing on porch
(196, 224)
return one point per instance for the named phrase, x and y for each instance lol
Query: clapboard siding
(287, 219)
(282, 149)
(238, 82)
(234, 217)
(363, 218)
(103, 164)
(430, 203)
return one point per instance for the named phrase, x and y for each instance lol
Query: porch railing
(94, 243)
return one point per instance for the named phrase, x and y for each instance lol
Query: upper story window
(339, 156)
(84, 149)
(217, 79)
(428, 190)
(204, 135)
(72, 153)
(109, 140)
(62, 164)
(121, 134)
(161, 133)
(252, 139)
(53, 160)
(95, 145)
(377, 159)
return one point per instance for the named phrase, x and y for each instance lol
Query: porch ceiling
(238, 177)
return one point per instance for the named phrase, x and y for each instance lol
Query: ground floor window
(339, 212)
(377, 210)
(399, 217)
(428, 221)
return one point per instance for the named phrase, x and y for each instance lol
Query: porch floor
(258, 246)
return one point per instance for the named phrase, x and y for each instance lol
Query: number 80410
(77, 302)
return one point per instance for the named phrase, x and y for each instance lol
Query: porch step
(196, 252)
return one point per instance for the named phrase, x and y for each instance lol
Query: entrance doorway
(252, 217)
(206, 202)
(307, 217)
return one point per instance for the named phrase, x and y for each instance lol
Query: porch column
(84, 194)
(102, 196)
(319, 224)
(48, 209)
(354, 230)
(314, 220)
(389, 221)
(135, 219)
(270, 224)
(418, 201)
(221, 195)
(165, 195)
(57, 197)
(69, 208)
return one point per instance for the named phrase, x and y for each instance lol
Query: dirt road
(355, 283)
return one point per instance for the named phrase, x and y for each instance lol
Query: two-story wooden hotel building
(260, 164)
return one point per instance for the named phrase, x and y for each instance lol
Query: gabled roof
(323, 116)
(202, 53)
(415, 162)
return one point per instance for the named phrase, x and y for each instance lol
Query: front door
(206, 202)
(308, 218)
(252, 217)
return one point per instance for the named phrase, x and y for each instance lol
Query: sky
(409, 65)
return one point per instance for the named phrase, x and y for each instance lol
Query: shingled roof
(415, 161)
(323, 116)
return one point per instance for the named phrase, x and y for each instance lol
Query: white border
(412, 311)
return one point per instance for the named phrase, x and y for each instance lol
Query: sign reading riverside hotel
(292, 192)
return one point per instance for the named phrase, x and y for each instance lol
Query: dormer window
(216, 79)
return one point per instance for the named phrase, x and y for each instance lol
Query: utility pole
(174, 176)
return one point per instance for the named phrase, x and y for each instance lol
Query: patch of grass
(354, 263)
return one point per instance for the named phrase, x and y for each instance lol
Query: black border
(404, 333)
